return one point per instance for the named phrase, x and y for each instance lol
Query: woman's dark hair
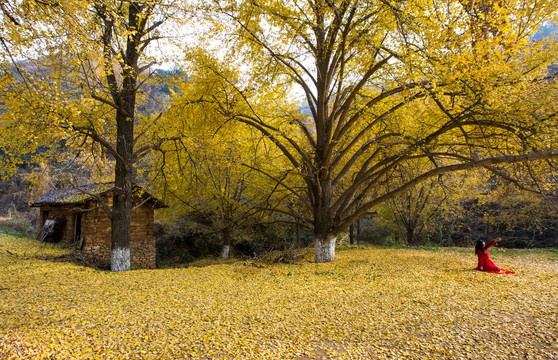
(479, 246)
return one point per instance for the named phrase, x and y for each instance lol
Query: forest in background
(429, 216)
(355, 121)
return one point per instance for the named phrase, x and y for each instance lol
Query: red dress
(487, 264)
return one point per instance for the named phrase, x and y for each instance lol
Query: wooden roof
(81, 194)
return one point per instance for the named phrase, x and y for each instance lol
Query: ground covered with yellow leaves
(369, 304)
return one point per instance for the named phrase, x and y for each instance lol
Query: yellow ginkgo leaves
(370, 303)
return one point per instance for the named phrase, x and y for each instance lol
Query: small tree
(212, 168)
(412, 210)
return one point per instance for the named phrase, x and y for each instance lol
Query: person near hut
(484, 262)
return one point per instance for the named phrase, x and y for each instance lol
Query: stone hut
(74, 216)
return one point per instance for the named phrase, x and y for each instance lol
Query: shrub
(20, 223)
(178, 244)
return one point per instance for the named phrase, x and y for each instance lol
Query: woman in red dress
(485, 264)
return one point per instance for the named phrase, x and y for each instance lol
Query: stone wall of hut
(96, 237)
(95, 234)
(142, 242)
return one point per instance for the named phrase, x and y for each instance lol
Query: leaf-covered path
(368, 304)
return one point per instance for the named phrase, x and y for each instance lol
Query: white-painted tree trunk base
(120, 259)
(324, 249)
(225, 251)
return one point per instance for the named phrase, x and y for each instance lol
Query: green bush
(374, 231)
(177, 243)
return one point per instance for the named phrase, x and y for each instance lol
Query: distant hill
(156, 92)
(548, 29)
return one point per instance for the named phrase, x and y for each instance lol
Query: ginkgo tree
(412, 210)
(212, 168)
(208, 178)
(73, 74)
(361, 68)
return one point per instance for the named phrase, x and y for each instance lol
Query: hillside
(547, 29)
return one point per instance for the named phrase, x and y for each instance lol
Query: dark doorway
(77, 232)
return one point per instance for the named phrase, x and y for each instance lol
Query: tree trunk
(297, 235)
(225, 251)
(324, 248)
(351, 234)
(122, 197)
(357, 231)
(125, 117)
(226, 234)
(411, 238)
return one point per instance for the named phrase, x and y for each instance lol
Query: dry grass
(368, 304)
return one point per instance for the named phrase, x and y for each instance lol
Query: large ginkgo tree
(382, 83)
(74, 74)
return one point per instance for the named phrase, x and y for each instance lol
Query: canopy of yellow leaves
(370, 304)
